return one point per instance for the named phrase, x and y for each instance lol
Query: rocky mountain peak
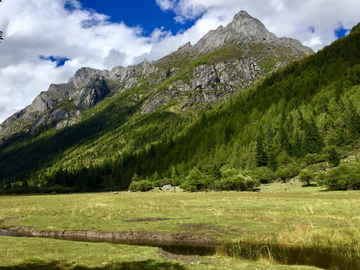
(186, 47)
(244, 29)
(84, 75)
(250, 28)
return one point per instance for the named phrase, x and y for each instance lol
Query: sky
(46, 41)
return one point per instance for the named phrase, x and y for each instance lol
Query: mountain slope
(240, 53)
(158, 120)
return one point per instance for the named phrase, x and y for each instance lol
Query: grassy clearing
(244, 215)
(282, 214)
(33, 253)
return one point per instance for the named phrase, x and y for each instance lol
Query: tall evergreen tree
(313, 141)
(296, 150)
(334, 158)
(354, 121)
(284, 140)
(270, 134)
(260, 156)
(272, 163)
(215, 171)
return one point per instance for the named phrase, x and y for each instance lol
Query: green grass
(264, 214)
(280, 213)
(34, 253)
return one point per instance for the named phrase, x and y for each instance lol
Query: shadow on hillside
(55, 265)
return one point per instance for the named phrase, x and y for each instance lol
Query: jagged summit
(186, 47)
(250, 27)
(244, 29)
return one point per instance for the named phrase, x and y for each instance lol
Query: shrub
(314, 158)
(133, 186)
(262, 174)
(343, 177)
(196, 181)
(143, 185)
(285, 173)
(237, 182)
(306, 176)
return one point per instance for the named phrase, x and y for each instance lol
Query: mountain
(251, 108)
(246, 52)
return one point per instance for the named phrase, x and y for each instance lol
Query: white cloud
(166, 4)
(34, 28)
(282, 17)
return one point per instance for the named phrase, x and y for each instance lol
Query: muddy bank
(128, 237)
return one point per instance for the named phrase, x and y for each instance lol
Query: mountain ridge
(88, 86)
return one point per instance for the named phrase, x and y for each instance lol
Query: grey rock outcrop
(294, 44)
(158, 100)
(83, 76)
(29, 114)
(209, 83)
(244, 29)
(186, 47)
(167, 187)
(92, 93)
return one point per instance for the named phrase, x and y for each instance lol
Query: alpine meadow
(257, 136)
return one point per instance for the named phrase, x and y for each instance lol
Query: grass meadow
(299, 218)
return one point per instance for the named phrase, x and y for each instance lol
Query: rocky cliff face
(91, 93)
(244, 29)
(248, 52)
(86, 88)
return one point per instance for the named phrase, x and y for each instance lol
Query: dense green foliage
(305, 114)
(343, 177)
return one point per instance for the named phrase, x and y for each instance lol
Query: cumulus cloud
(282, 17)
(37, 31)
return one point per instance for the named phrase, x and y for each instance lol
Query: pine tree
(272, 164)
(313, 141)
(260, 156)
(334, 158)
(135, 178)
(354, 121)
(284, 140)
(228, 132)
(270, 134)
(296, 150)
(215, 171)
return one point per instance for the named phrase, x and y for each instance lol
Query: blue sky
(341, 31)
(149, 16)
(46, 41)
(146, 14)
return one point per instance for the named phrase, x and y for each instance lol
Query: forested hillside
(298, 121)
